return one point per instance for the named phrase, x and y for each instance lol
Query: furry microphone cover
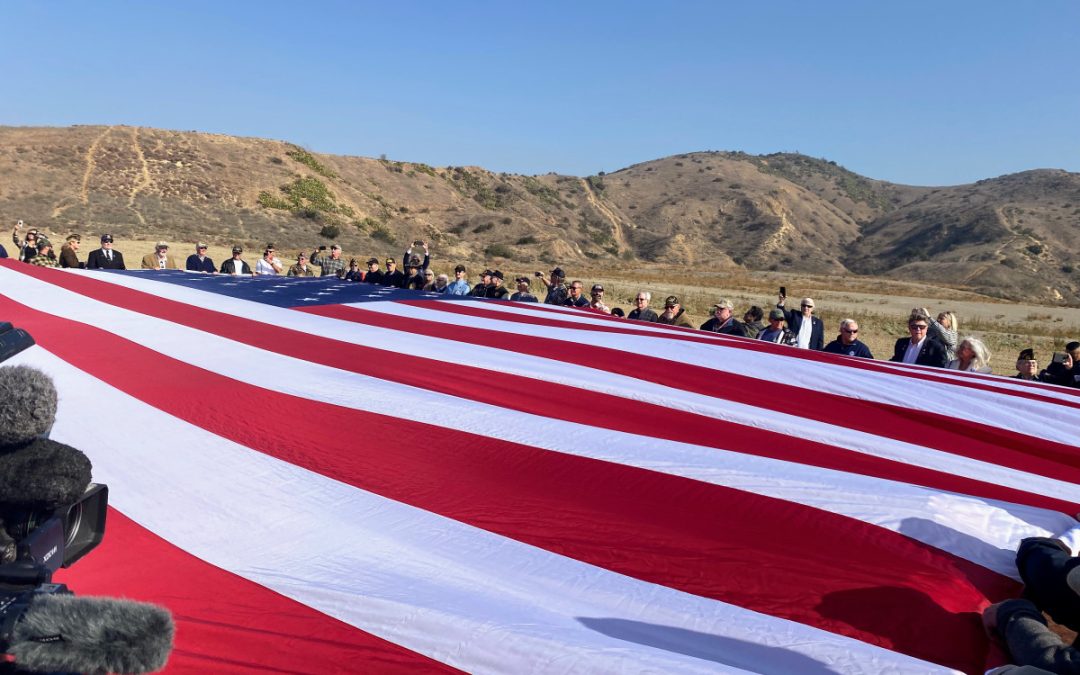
(68, 633)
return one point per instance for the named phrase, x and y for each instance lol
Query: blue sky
(928, 93)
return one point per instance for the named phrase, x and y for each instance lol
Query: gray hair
(443, 278)
(982, 354)
(844, 323)
(648, 295)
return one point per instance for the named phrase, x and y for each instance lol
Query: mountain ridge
(1007, 236)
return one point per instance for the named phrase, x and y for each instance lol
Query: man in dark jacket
(577, 296)
(199, 261)
(236, 264)
(809, 331)
(723, 322)
(105, 258)
(374, 275)
(919, 348)
(481, 288)
(847, 342)
(392, 276)
(641, 311)
(673, 314)
(496, 289)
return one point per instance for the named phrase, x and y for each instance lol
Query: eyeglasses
(808, 306)
(640, 300)
(917, 326)
(851, 330)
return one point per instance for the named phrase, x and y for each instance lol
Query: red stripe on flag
(573, 404)
(1029, 390)
(224, 623)
(772, 556)
(924, 429)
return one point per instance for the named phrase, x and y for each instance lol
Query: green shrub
(526, 240)
(498, 251)
(330, 232)
(308, 159)
(380, 232)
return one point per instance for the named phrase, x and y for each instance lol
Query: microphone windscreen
(92, 635)
(27, 404)
(42, 474)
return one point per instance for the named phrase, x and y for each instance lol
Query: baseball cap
(237, 249)
(373, 261)
(106, 238)
(459, 268)
(777, 314)
(671, 301)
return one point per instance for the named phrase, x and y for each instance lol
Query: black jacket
(817, 328)
(229, 267)
(733, 327)
(97, 260)
(932, 352)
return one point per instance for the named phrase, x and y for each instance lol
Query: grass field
(881, 306)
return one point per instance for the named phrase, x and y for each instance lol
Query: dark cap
(391, 261)
(42, 242)
(671, 301)
(486, 273)
(498, 275)
(777, 314)
(1026, 355)
(597, 287)
(1072, 346)
(524, 280)
(557, 272)
(106, 238)
(237, 249)
(373, 261)
(459, 268)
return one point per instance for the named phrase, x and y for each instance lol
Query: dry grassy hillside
(729, 212)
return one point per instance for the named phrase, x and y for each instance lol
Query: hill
(1007, 237)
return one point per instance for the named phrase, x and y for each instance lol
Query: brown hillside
(1008, 236)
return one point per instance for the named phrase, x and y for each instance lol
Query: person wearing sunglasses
(919, 348)
(808, 329)
(848, 343)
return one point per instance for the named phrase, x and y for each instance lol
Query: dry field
(880, 306)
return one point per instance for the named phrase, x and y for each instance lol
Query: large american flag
(317, 476)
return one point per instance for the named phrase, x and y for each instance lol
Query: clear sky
(928, 93)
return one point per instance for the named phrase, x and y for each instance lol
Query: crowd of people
(931, 341)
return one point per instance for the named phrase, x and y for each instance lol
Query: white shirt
(805, 329)
(263, 267)
(912, 352)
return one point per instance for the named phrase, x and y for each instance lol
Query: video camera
(51, 515)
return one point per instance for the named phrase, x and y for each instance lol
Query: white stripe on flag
(461, 595)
